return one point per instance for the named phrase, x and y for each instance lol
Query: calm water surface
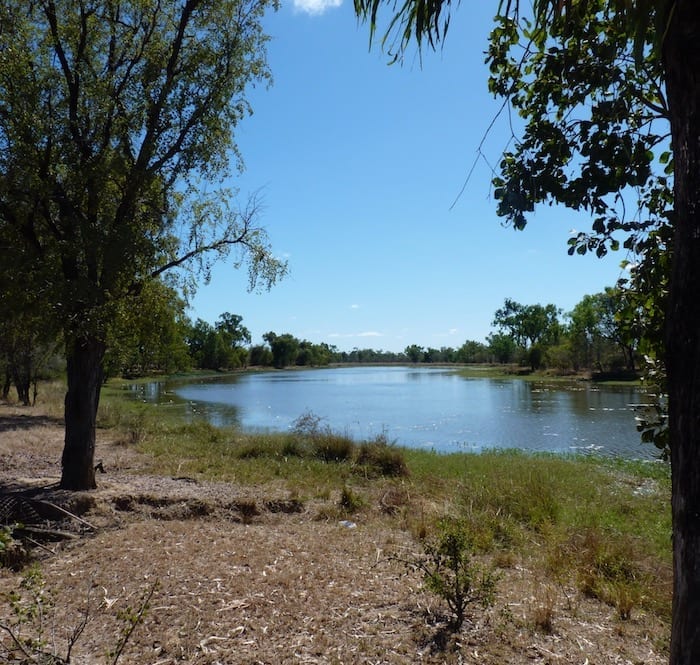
(421, 407)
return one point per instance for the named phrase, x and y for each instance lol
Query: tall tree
(115, 117)
(528, 325)
(234, 335)
(600, 323)
(284, 348)
(502, 347)
(414, 352)
(592, 79)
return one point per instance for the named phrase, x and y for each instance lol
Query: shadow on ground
(21, 421)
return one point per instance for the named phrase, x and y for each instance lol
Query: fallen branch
(54, 534)
(65, 512)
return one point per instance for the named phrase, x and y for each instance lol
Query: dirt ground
(245, 575)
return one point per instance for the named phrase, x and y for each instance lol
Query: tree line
(599, 335)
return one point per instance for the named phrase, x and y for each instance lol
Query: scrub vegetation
(489, 553)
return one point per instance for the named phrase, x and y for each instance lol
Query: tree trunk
(681, 54)
(84, 370)
(22, 375)
(7, 384)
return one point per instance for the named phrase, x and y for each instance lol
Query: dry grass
(251, 574)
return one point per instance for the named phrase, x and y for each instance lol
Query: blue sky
(358, 164)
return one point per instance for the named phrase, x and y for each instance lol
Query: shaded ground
(251, 575)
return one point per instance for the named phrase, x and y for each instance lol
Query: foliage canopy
(116, 132)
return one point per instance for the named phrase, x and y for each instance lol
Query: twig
(15, 639)
(36, 543)
(61, 535)
(78, 630)
(68, 513)
(135, 622)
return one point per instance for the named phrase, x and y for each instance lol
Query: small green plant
(29, 605)
(33, 615)
(13, 553)
(607, 571)
(131, 618)
(350, 502)
(450, 572)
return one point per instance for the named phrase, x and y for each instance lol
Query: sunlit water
(421, 407)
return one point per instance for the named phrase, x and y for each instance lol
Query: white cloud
(370, 333)
(354, 307)
(316, 7)
(450, 333)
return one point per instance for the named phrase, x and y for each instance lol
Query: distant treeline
(600, 335)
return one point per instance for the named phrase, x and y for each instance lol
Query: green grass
(600, 524)
(514, 371)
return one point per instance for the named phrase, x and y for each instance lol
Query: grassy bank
(601, 526)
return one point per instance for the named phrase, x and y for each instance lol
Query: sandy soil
(248, 575)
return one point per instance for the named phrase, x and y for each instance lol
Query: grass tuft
(380, 458)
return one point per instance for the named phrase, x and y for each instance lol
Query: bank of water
(421, 407)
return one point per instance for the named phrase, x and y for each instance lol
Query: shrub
(379, 457)
(450, 572)
(307, 425)
(325, 444)
(331, 447)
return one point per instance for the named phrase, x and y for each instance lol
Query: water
(422, 407)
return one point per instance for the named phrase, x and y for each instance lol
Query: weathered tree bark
(84, 371)
(681, 54)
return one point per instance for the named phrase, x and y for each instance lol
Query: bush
(331, 447)
(450, 572)
(378, 457)
(325, 444)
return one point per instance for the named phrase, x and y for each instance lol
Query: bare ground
(246, 575)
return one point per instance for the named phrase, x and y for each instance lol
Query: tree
(472, 352)
(26, 351)
(502, 347)
(594, 80)
(599, 324)
(528, 325)
(621, 322)
(233, 336)
(284, 349)
(260, 355)
(314, 354)
(115, 115)
(219, 347)
(414, 353)
(150, 335)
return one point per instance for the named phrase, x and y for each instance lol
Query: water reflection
(419, 407)
(164, 395)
